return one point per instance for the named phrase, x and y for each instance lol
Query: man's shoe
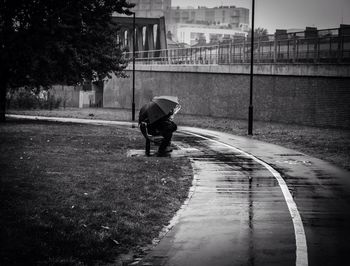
(168, 149)
(165, 151)
(164, 154)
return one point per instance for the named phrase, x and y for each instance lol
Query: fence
(322, 46)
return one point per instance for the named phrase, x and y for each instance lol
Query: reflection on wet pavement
(237, 215)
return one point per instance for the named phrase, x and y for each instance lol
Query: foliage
(45, 42)
(259, 33)
(25, 98)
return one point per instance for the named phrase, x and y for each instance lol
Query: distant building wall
(233, 19)
(191, 33)
(151, 8)
(228, 20)
(69, 95)
(217, 15)
(305, 99)
(75, 96)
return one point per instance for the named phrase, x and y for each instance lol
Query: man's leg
(166, 128)
(167, 135)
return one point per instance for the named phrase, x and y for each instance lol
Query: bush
(50, 103)
(27, 99)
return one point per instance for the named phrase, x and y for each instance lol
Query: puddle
(290, 154)
(153, 153)
(294, 162)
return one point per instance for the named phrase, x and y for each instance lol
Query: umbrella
(159, 107)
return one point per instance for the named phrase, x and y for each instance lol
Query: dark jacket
(162, 126)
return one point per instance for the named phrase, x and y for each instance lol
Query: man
(164, 126)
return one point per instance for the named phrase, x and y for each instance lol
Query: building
(227, 16)
(151, 8)
(193, 26)
(203, 34)
(196, 25)
(230, 16)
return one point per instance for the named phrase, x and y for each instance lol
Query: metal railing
(327, 46)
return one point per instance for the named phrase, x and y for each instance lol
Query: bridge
(149, 33)
(309, 46)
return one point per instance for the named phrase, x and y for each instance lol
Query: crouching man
(164, 127)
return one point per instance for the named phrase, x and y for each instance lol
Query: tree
(169, 35)
(259, 33)
(46, 42)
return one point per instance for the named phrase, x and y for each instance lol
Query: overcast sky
(287, 14)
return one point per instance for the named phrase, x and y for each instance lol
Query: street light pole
(133, 67)
(250, 115)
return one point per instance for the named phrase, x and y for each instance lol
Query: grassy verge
(329, 144)
(69, 194)
(332, 145)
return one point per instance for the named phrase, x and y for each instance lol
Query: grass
(329, 144)
(70, 196)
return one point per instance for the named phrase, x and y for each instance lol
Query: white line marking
(300, 238)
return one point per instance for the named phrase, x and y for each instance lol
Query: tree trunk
(4, 59)
(3, 90)
(2, 104)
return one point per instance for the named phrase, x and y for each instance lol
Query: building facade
(226, 16)
(196, 25)
(151, 8)
(195, 34)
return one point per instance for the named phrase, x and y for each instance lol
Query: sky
(286, 14)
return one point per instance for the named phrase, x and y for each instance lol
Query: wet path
(321, 192)
(236, 216)
(239, 213)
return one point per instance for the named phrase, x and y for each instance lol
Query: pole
(250, 115)
(133, 68)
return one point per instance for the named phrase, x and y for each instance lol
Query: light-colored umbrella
(159, 107)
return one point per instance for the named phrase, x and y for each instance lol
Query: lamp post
(250, 115)
(133, 67)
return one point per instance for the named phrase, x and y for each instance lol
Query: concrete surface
(296, 99)
(329, 70)
(239, 214)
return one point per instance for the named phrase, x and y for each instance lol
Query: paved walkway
(255, 203)
(244, 212)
